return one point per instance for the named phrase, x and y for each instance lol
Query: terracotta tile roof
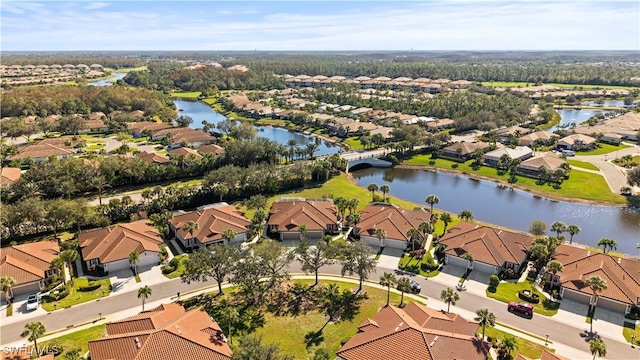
(487, 245)
(549, 161)
(42, 151)
(9, 175)
(466, 147)
(212, 222)
(394, 220)
(99, 115)
(173, 333)
(153, 157)
(315, 214)
(137, 113)
(191, 136)
(185, 151)
(212, 148)
(95, 124)
(24, 353)
(118, 241)
(28, 262)
(396, 333)
(66, 142)
(577, 139)
(622, 276)
(139, 127)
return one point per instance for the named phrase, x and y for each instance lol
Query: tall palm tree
(432, 199)
(446, 219)
(555, 267)
(485, 317)
(99, 183)
(507, 345)
(426, 228)
(6, 283)
(384, 188)
(144, 293)
(597, 348)
(597, 285)
(388, 280)
(572, 230)
(404, 285)
(373, 187)
(607, 244)
(450, 297)
(134, 259)
(228, 236)
(559, 227)
(465, 215)
(413, 234)
(381, 234)
(353, 219)
(352, 204)
(69, 256)
(33, 331)
(191, 227)
(469, 257)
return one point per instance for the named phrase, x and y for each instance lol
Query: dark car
(521, 308)
(415, 287)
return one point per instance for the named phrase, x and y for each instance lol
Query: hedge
(90, 287)
(533, 298)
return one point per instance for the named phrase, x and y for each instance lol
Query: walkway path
(615, 176)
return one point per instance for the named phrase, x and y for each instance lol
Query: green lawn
(407, 260)
(603, 149)
(580, 185)
(95, 144)
(354, 143)
(289, 331)
(126, 70)
(507, 292)
(76, 297)
(180, 270)
(582, 164)
(631, 329)
(274, 122)
(186, 94)
(9, 310)
(79, 339)
(506, 84)
(525, 347)
(566, 86)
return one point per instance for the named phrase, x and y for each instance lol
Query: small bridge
(367, 158)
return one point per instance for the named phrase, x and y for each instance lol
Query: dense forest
(45, 58)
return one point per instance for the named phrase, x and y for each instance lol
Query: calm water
(509, 208)
(109, 81)
(200, 111)
(568, 116)
(615, 103)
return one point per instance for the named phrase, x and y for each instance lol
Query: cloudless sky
(321, 25)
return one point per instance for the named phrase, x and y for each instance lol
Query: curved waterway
(200, 111)
(108, 82)
(510, 208)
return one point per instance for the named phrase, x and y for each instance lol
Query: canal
(108, 82)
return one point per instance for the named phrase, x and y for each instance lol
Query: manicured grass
(525, 347)
(580, 185)
(631, 329)
(76, 297)
(186, 94)
(507, 292)
(180, 270)
(126, 70)
(565, 86)
(598, 250)
(274, 122)
(95, 145)
(603, 149)
(77, 340)
(354, 143)
(289, 331)
(582, 164)
(408, 260)
(555, 120)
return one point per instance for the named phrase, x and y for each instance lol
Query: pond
(108, 82)
(611, 103)
(568, 116)
(199, 111)
(510, 208)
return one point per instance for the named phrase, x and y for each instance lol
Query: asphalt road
(557, 331)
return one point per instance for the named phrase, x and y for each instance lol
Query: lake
(568, 116)
(611, 103)
(512, 209)
(108, 82)
(199, 111)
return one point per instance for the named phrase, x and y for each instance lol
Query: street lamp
(546, 341)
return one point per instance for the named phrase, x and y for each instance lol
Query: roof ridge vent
(619, 260)
(434, 341)
(137, 340)
(477, 226)
(399, 325)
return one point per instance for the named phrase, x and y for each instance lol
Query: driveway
(389, 258)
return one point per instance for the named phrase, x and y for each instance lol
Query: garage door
(456, 261)
(485, 268)
(612, 305)
(290, 236)
(315, 235)
(29, 288)
(396, 244)
(371, 241)
(576, 296)
(148, 259)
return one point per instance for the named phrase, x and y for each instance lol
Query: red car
(521, 308)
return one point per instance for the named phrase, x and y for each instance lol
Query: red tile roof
(142, 126)
(394, 220)
(212, 148)
(153, 157)
(167, 332)
(118, 241)
(28, 262)
(409, 333)
(315, 214)
(42, 151)
(212, 222)
(9, 175)
(185, 151)
(487, 245)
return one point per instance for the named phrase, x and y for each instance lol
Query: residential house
(382, 130)
(493, 250)
(96, 67)
(395, 222)
(212, 149)
(138, 129)
(514, 132)
(539, 137)
(356, 128)
(95, 125)
(186, 152)
(137, 114)
(107, 249)
(415, 332)
(622, 276)
(440, 124)
(168, 331)
(548, 161)
(42, 151)
(520, 153)
(575, 142)
(29, 265)
(213, 220)
(287, 214)
(183, 136)
(9, 175)
(153, 158)
(462, 151)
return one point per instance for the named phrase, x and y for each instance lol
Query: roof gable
(212, 222)
(316, 215)
(118, 241)
(394, 220)
(28, 262)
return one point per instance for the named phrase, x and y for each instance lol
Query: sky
(320, 25)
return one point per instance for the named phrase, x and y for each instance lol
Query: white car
(33, 302)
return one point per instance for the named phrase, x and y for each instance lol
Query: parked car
(33, 302)
(415, 287)
(521, 308)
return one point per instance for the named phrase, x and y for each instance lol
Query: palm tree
(144, 293)
(449, 296)
(426, 228)
(446, 219)
(6, 283)
(33, 331)
(559, 227)
(353, 219)
(465, 215)
(597, 285)
(190, 227)
(388, 279)
(404, 285)
(384, 188)
(373, 187)
(555, 267)
(352, 205)
(485, 317)
(413, 234)
(432, 199)
(99, 183)
(597, 348)
(69, 257)
(507, 345)
(303, 230)
(469, 257)
(134, 259)
(609, 244)
(381, 234)
(572, 230)
(228, 236)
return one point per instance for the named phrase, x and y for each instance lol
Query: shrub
(531, 298)
(90, 287)
(494, 280)
(168, 269)
(60, 294)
